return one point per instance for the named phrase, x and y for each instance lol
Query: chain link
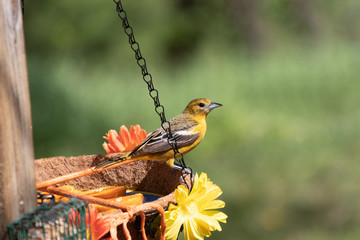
(154, 94)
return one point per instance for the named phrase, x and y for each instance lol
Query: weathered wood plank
(17, 180)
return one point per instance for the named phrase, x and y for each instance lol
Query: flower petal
(216, 215)
(190, 230)
(106, 146)
(142, 134)
(212, 192)
(101, 227)
(124, 135)
(202, 226)
(114, 141)
(210, 222)
(196, 185)
(210, 205)
(181, 193)
(133, 136)
(173, 227)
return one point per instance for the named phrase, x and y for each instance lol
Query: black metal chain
(154, 94)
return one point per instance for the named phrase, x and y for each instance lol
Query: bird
(188, 129)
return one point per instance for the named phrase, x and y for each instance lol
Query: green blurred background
(285, 146)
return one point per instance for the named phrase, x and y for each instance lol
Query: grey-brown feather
(157, 141)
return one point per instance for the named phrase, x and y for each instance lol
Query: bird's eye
(201, 104)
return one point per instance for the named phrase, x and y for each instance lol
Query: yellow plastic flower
(195, 210)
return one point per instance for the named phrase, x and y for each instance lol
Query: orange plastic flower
(125, 141)
(100, 225)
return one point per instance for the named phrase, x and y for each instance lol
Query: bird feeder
(144, 176)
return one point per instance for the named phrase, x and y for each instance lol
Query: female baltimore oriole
(187, 128)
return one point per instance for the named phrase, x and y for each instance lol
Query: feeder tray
(146, 176)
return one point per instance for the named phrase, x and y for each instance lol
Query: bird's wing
(145, 141)
(157, 142)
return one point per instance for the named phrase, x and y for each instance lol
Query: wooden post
(17, 178)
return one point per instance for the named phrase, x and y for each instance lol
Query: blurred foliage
(284, 147)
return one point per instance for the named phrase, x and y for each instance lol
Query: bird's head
(201, 106)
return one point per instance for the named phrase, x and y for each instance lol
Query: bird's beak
(214, 105)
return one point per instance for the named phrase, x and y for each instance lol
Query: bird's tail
(113, 161)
